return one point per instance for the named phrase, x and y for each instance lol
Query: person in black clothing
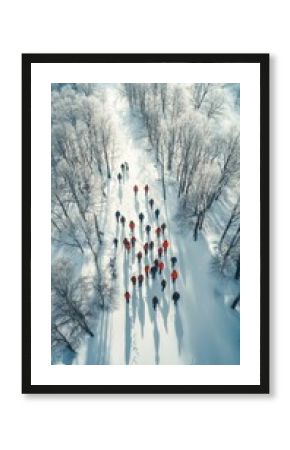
(115, 242)
(141, 217)
(176, 297)
(153, 271)
(139, 256)
(173, 261)
(163, 226)
(157, 212)
(151, 245)
(123, 167)
(151, 203)
(123, 220)
(163, 284)
(126, 166)
(140, 280)
(118, 215)
(148, 229)
(154, 302)
(156, 262)
(119, 177)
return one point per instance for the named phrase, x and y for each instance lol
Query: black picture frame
(263, 61)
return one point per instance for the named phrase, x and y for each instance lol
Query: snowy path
(200, 330)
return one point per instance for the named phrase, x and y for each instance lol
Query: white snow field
(202, 328)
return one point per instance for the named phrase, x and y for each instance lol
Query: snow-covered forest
(145, 223)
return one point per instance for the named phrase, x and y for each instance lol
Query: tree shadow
(156, 337)
(127, 335)
(178, 329)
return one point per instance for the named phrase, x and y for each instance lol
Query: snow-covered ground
(202, 329)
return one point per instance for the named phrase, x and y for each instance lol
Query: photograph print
(145, 224)
(138, 173)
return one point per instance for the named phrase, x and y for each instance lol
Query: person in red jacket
(125, 241)
(146, 188)
(158, 231)
(127, 296)
(146, 245)
(135, 188)
(139, 256)
(127, 246)
(133, 279)
(165, 245)
(132, 225)
(174, 276)
(140, 279)
(160, 251)
(160, 266)
(147, 269)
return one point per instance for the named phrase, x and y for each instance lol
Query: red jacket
(174, 275)
(134, 279)
(165, 244)
(146, 188)
(161, 265)
(158, 231)
(127, 296)
(132, 225)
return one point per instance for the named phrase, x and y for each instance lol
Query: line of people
(124, 168)
(162, 247)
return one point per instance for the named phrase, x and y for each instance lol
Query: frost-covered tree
(72, 302)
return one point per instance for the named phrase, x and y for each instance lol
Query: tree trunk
(197, 226)
(237, 275)
(236, 301)
(97, 229)
(232, 243)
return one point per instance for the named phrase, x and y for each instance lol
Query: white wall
(203, 422)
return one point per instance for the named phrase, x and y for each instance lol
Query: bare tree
(233, 220)
(72, 302)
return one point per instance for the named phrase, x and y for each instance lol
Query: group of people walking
(124, 168)
(153, 249)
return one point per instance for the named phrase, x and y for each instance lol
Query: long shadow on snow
(127, 335)
(178, 328)
(156, 337)
(126, 270)
(164, 308)
(141, 311)
(97, 353)
(134, 303)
